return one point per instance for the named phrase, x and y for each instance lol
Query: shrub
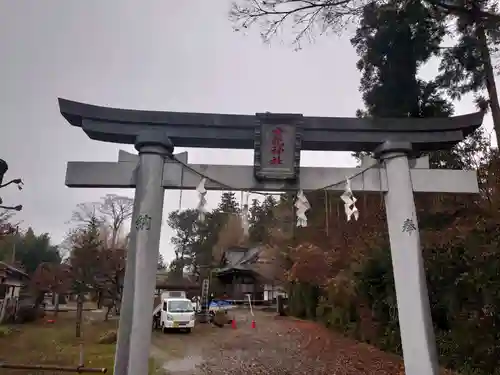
(108, 337)
(5, 331)
(220, 318)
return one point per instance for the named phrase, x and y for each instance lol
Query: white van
(177, 313)
(173, 294)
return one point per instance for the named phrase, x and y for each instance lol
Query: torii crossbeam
(277, 140)
(241, 178)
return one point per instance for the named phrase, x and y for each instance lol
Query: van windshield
(180, 306)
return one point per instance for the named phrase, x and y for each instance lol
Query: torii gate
(277, 140)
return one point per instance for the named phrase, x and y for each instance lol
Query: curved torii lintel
(209, 130)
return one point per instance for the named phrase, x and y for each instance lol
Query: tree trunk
(489, 80)
(39, 299)
(79, 315)
(117, 306)
(280, 306)
(3, 310)
(118, 303)
(56, 303)
(108, 310)
(114, 235)
(99, 299)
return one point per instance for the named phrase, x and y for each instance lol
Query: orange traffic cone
(233, 324)
(253, 323)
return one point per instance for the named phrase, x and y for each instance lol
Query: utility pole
(14, 242)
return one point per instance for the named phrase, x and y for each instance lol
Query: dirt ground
(276, 346)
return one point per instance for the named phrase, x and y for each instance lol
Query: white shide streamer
(202, 200)
(302, 205)
(349, 202)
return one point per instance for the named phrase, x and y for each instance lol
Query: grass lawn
(56, 344)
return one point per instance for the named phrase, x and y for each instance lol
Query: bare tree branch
(454, 9)
(85, 213)
(111, 211)
(306, 18)
(116, 210)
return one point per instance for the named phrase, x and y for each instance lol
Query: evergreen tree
(393, 42)
(228, 203)
(467, 66)
(261, 219)
(29, 249)
(161, 263)
(84, 258)
(257, 231)
(185, 226)
(194, 239)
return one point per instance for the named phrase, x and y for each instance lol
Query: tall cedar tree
(393, 43)
(466, 66)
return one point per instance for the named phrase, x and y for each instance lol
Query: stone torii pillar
(415, 322)
(134, 331)
(278, 140)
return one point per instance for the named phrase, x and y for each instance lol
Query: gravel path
(277, 346)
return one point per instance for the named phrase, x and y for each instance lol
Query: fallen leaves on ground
(345, 355)
(283, 345)
(289, 346)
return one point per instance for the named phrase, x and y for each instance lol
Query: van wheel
(188, 330)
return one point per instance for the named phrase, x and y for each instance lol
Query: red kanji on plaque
(277, 146)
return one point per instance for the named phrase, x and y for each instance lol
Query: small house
(12, 280)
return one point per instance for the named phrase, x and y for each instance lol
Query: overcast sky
(158, 55)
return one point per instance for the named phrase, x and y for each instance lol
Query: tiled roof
(240, 259)
(13, 271)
